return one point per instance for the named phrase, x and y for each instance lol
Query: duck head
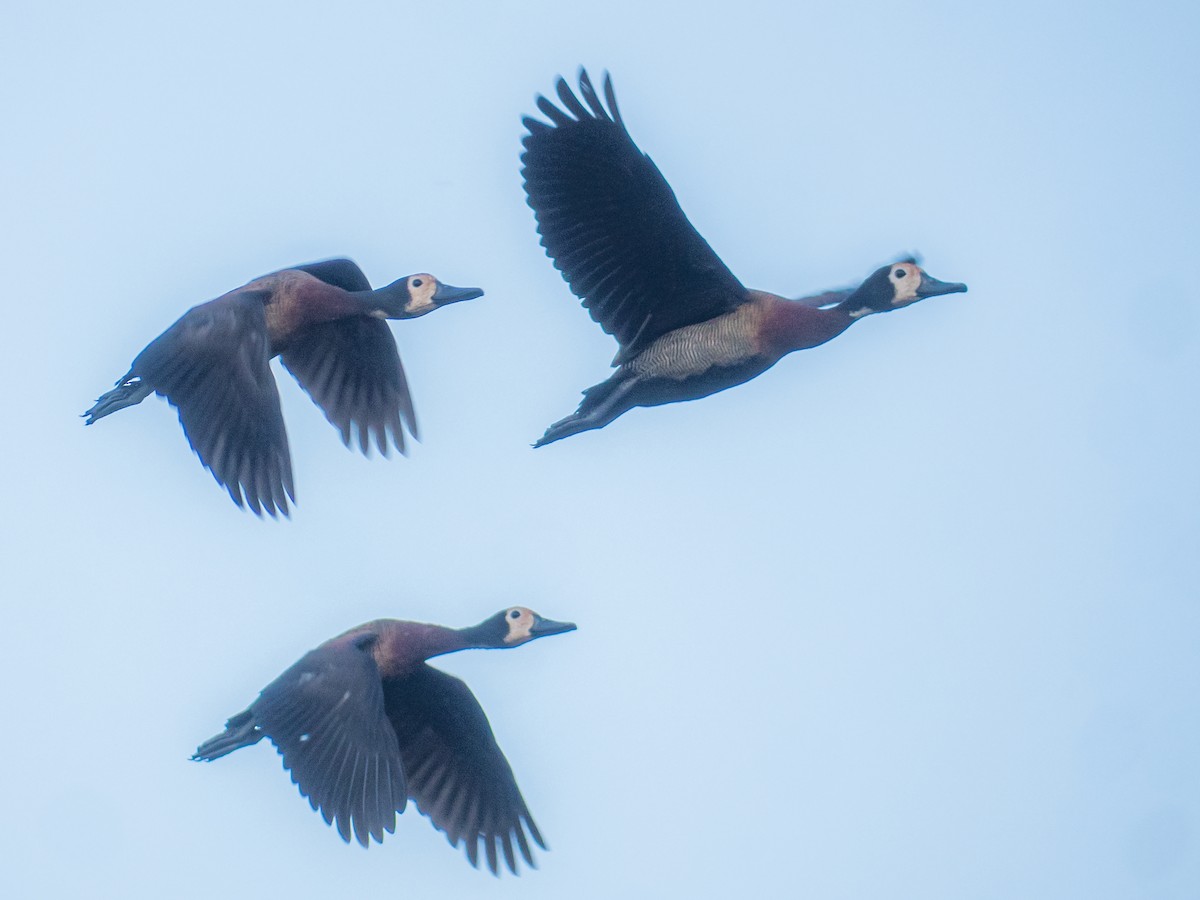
(419, 294)
(515, 626)
(893, 287)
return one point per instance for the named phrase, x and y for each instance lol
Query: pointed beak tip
(546, 627)
(935, 288)
(449, 294)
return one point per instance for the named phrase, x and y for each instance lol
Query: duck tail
(130, 391)
(240, 731)
(600, 405)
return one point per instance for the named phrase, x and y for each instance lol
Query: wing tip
(595, 109)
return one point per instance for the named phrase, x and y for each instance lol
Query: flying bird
(685, 325)
(364, 724)
(326, 322)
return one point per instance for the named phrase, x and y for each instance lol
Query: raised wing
(213, 365)
(343, 273)
(613, 227)
(326, 716)
(351, 369)
(456, 772)
(826, 298)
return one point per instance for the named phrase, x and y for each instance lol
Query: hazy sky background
(914, 614)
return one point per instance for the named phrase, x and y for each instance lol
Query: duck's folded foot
(240, 731)
(572, 424)
(128, 392)
(601, 404)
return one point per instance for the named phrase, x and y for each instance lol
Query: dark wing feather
(613, 227)
(343, 273)
(214, 366)
(826, 298)
(351, 369)
(326, 716)
(457, 774)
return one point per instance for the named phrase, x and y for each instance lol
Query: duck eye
(900, 273)
(515, 614)
(416, 282)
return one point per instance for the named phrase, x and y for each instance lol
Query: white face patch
(421, 289)
(905, 279)
(520, 624)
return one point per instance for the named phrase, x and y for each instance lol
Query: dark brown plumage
(325, 320)
(685, 325)
(364, 723)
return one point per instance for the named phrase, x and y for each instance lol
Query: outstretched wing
(340, 272)
(326, 716)
(213, 365)
(613, 227)
(351, 369)
(826, 298)
(456, 772)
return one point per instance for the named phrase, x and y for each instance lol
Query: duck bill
(448, 293)
(931, 287)
(543, 627)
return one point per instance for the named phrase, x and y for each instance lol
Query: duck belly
(698, 360)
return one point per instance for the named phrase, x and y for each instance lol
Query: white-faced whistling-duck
(686, 326)
(326, 322)
(363, 723)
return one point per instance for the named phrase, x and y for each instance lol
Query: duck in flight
(685, 325)
(326, 322)
(364, 724)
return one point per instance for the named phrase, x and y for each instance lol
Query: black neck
(488, 633)
(391, 298)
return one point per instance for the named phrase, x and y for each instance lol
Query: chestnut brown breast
(298, 300)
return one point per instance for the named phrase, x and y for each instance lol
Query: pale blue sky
(912, 615)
